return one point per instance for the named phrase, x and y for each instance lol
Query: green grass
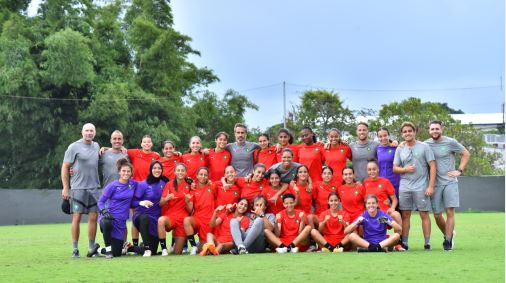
(41, 253)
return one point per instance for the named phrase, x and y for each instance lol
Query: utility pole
(284, 104)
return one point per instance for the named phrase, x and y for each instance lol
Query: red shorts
(202, 227)
(289, 239)
(177, 226)
(227, 238)
(333, 239)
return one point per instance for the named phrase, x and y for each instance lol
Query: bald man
(82, 188)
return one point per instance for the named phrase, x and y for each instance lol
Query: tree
(322, 110)
(421, 113)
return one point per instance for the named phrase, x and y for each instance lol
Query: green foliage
(322, 110)
(421, 113)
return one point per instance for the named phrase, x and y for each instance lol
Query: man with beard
(446, 191)
(109, 158)
(242, 151)
(362, 151)
(415, 162)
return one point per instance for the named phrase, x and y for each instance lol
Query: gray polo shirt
(108, 163)
(84, 160)
(444, 151)
(242, 157)
(288, 175)
(420, 155)
(360, 155)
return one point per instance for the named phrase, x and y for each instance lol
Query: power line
(260, 87)
(396, 90)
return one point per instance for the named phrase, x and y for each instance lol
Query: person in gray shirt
(415, 162)
(446, 191)
(109, 158)
(242, 151)
(362, 151)
(82, 188)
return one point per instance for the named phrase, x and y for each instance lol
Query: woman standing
(266, 155)
(285, 140)
(141, 158)
(337, 154)
(311, 154)
(194, 158)
(169, 159)
(385, 153)
(219, 157)
(146, 207)
(114, 205)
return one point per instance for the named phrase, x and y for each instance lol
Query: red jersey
(335, 158)
(250, 190)
(312, 157)
(218, 161)
(334, 230)
(141, 162)
(175, 208)
(193, 162)
(321, 193)
(294, 148)
(169, 165)
(222, 231)
(289, 225)
(305, 198)
(352, 199)
(224, 197)
(382, 188)
(203, 201)
(265, 156)
(273, 206)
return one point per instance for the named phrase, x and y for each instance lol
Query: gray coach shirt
(84, 160)
(420, 155)
(108, 163)
(242, 157)
(444, 152)
(286, 176)
(360, 154)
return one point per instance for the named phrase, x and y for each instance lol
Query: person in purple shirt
(375, 223)
(114, 206)
(385, 153)
(146, 206)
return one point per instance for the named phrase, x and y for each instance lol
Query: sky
(369, 52)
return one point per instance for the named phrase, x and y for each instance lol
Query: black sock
(192, 240)
(340, 245)
(291, 246)
(163, 244)
(282, 246)
(312, 242)
(135, 242)
(329, 246)
(373, 247)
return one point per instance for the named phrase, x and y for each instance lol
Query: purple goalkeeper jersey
(153, 193)
(117, 198)
(374, 231)
(385, 156)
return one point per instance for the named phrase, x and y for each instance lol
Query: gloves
(106, 214)
(384, 220)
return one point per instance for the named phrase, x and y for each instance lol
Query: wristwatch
(460, 170)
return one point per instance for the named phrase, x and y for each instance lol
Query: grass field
(41, 253)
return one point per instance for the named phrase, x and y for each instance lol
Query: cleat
(165, 252)
(147, 253)
(325, 250)
(108, 255)
(126, 246)
(242, 250)
(205, 249)
(212, 249)
(427, 248)
(193, 251)
(311, 249)
(234, 252)
(282, 250)
(294, 250)
(399, 248)
(338, 250)
(75, 253)
(93, 252)
(404, 246)
(363, 250)
(185, 250)
(447, 246)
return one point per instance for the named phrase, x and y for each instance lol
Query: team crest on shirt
(209, 190)
(235, 193)
(389, 151)
(380, 186)
(333, 188)
(297, 221)
(368, 149)
(152, 159)
(201, 159)
(261, 187)
(356, 192)
(224, 157)
(341, 150)
(316, 149)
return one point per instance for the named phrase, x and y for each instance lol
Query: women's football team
(291, 202)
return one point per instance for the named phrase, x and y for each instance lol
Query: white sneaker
(165, 252)
(282, 250)
(147, 253)
(294, 250)
(124, 250)
(193, 251)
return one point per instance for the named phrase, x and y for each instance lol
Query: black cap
(65, 206)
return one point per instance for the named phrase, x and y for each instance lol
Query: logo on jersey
(356, 192)
(209, 190)
(316, 149)
(235, 194)
(380, 186)
(297, 221)
(270, 151)
(389, 151)
(333, 188)
(368, 149)
(224, 157)
(201, 159)
(261, 187)
(341, 150)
